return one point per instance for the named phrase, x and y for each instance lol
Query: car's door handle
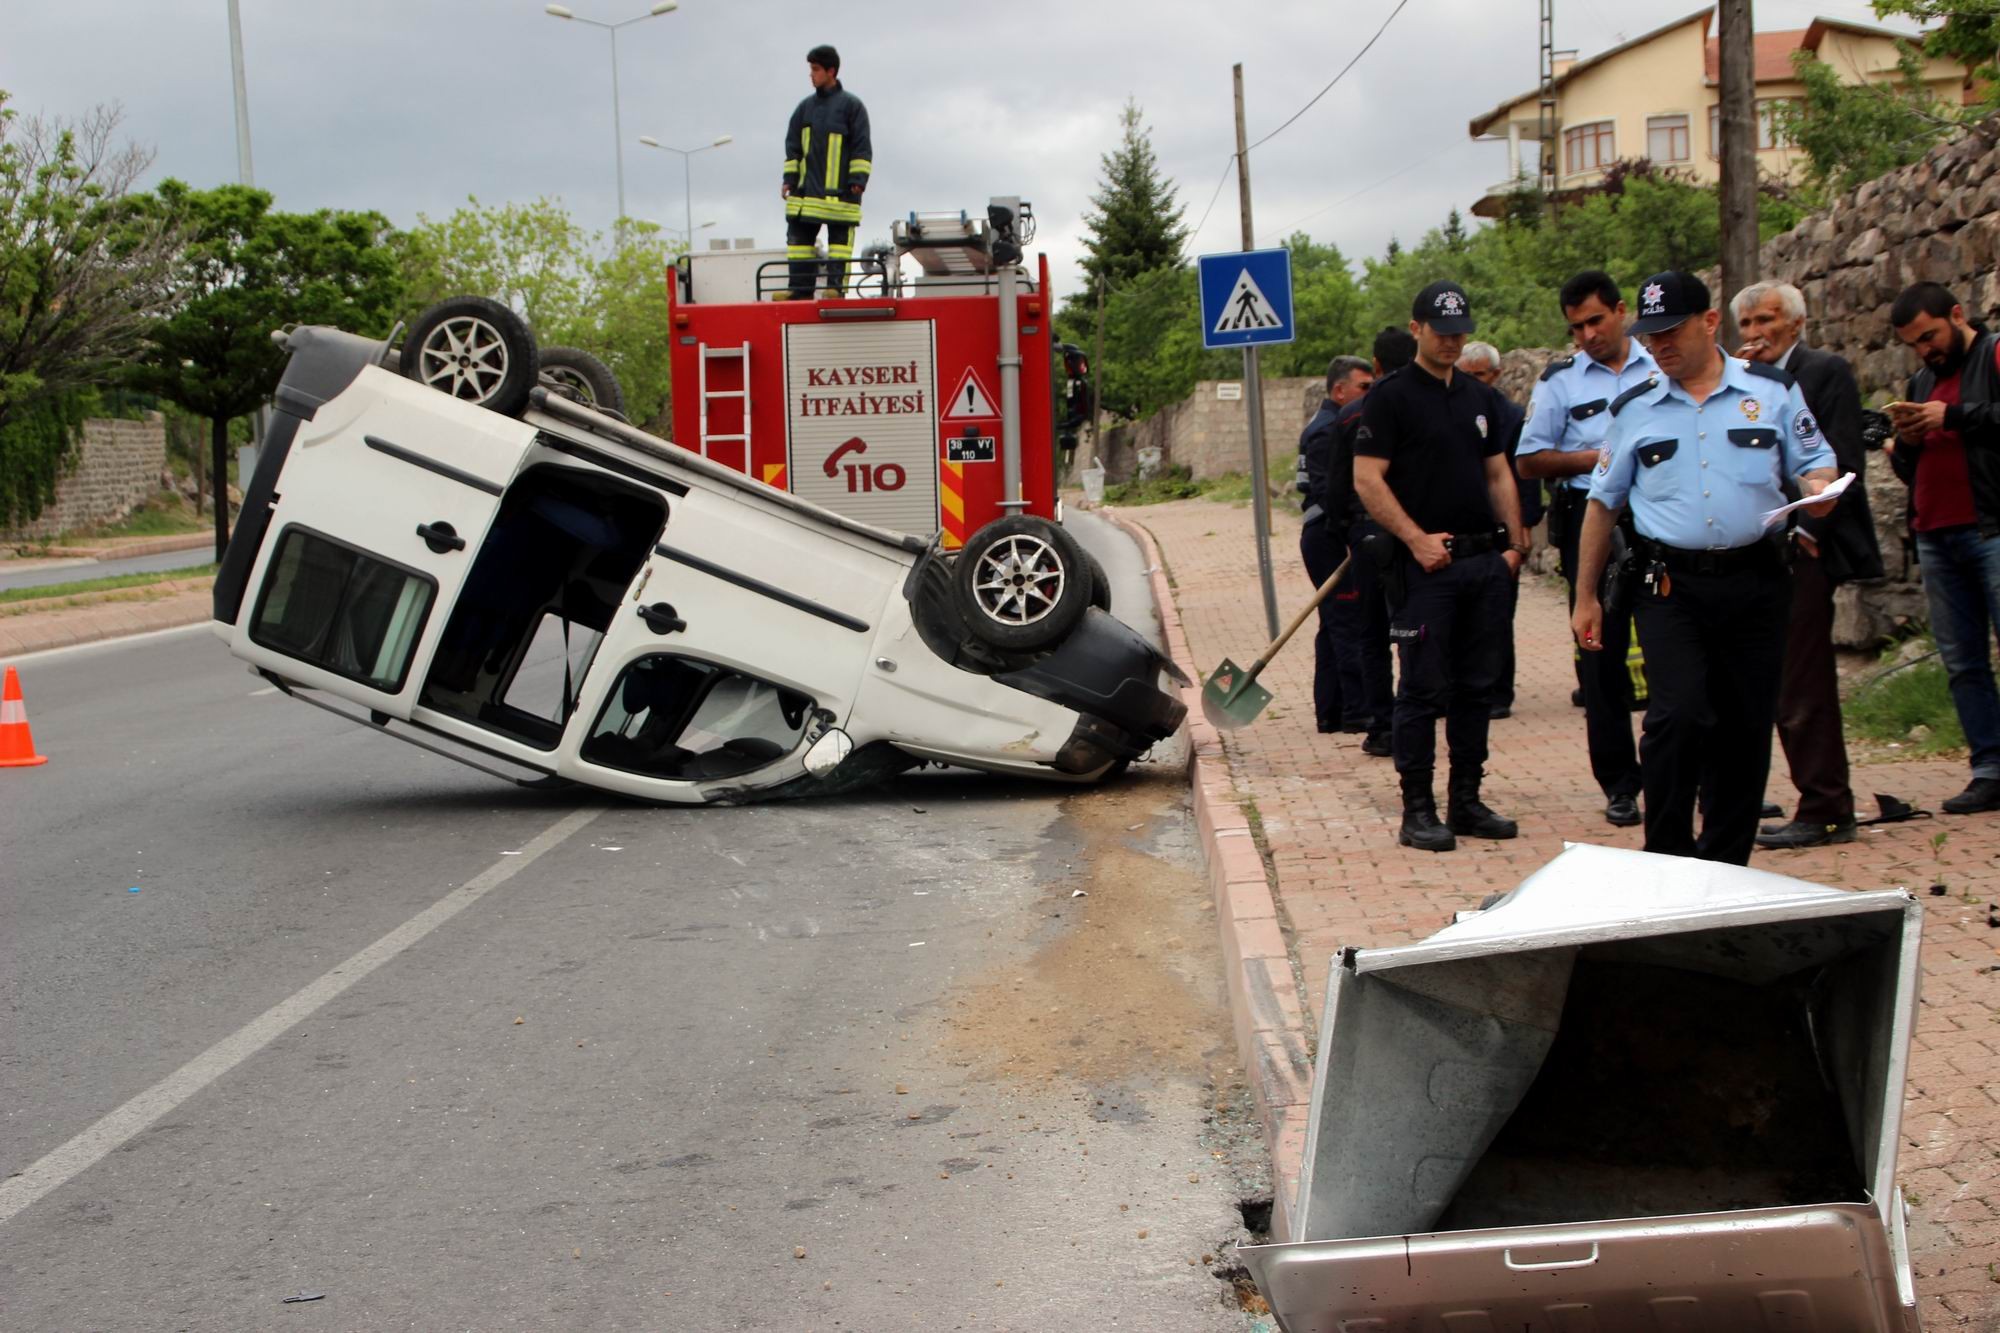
(660, 618)
(440, 537)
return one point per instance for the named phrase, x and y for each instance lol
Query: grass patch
(1891, 702)
(1175, 482)
(110, 583)
(163, 515)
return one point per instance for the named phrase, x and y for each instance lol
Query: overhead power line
(1336, 78)
(1231, 159)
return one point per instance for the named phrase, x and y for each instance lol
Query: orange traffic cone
(17, 743)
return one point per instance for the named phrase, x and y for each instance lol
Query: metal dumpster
(1638, 1092)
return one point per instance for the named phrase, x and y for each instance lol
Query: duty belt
(1757, 555)
(1476, 543)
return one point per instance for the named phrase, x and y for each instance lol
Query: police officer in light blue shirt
(1567, 419)
(1700, 453)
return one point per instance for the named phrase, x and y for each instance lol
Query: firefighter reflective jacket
(827, 156)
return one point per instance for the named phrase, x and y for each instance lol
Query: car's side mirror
(828, 751)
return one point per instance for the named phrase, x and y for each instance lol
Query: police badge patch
(1804, 426)
(1751, 407)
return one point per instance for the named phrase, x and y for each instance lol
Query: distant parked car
(544, 585)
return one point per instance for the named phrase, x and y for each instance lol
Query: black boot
(1469, 815)
(1421, 828)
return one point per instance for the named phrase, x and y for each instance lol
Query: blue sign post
(1246, 301)
(1246, 298)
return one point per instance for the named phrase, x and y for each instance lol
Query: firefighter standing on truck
(827, 164)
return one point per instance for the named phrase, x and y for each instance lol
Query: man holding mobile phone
(1947, 450)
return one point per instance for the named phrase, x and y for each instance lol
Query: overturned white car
(567, 594)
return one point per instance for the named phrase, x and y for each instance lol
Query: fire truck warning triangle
(1246, 307)
(970, 399)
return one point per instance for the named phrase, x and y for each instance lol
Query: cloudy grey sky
(408, 106)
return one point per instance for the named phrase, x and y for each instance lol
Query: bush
(1900, 697)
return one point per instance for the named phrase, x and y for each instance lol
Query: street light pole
(244, 175)
(687, 170)
(617, 126)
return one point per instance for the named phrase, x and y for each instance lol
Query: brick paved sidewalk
(1327, 816)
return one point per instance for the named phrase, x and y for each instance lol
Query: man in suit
(1826, 553)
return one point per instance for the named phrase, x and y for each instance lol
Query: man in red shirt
(1947, 449)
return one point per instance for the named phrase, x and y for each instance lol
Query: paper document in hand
(1833, 490)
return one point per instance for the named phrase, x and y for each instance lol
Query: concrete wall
(1210, 435)
(120, 466)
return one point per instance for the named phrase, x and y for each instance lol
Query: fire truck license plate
(969, 449)
(861, 421)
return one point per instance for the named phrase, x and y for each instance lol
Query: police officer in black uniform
(1339, 702)
(1360, 605)
(1431, 466)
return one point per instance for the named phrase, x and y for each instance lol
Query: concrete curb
(1272, 1037)
(41, 630)
(128, 548)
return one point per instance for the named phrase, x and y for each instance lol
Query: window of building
(1768, 133)
(1667, 138)
(1589, 147)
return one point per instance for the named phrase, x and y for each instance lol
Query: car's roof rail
(572, 413)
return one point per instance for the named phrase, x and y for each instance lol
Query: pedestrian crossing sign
(1246, 298)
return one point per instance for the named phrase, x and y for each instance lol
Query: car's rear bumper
(1108, 673)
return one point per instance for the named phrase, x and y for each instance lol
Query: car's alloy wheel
(1023, 583)
(1019, 581)
(474, 349)
(464, 357)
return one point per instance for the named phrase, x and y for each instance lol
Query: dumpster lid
(1592, 895)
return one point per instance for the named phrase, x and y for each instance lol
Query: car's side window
(342, 610)
(674, 717)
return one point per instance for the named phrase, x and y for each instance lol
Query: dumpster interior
(1703, 1071)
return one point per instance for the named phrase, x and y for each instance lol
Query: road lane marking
(101, 1139)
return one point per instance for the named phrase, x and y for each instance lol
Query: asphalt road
(451, 1054)
(76, 571)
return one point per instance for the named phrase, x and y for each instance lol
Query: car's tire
(476, 350)
(578, 375)
(1100, 584)
(1022, 583)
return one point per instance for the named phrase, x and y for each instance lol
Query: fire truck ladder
(707, 395)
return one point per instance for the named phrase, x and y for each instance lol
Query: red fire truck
(921, 402)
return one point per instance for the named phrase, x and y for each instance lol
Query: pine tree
(1135, 225)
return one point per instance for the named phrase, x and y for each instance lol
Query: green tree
(572, 287)
(1854, 132)
(1134, 225)
(243, 272)
(1326, 312)
(1970, 34)
(81, 271)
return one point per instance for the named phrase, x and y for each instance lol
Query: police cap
(1444, 306)
(1668, 300)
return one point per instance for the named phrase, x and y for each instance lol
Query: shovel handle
(1277, 644)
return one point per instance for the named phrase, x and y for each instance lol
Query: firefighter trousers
(800, 236)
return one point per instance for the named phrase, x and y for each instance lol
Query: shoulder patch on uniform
(1557, 367)
(1770, 372)
(1652, 382)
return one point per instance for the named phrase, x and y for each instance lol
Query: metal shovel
(1231, 696)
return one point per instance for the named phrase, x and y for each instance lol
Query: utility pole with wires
(1253, 386)
(1735, 44)
(1545, 119)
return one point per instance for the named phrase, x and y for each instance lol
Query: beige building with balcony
(1656, 97)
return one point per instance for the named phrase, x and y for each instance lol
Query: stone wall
(1210, 435)
(119, 466)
